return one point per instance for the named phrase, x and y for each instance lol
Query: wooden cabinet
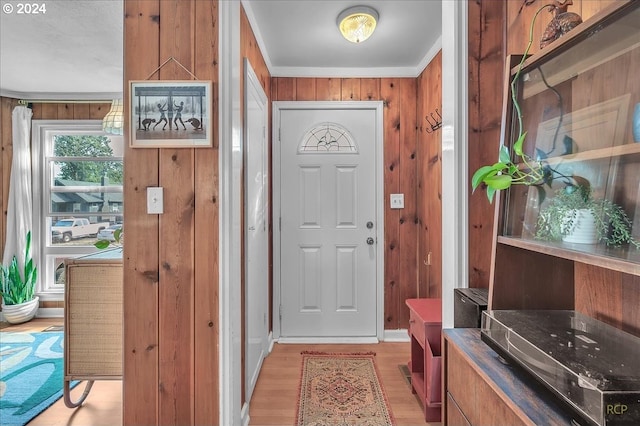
(577, 97)
(425, 326)
(93, 319)
(482, 390)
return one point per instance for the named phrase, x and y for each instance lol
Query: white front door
(329, 221)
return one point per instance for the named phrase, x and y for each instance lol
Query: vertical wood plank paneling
(82, 110)
(37, 111)
(285, 89)
(305, 89)
(434, 181)
(206, 327)
(587, 8)
(429, 191)
(519, 23)
(609, 296)
(600, 293)
(370, 89)
(486, 70)
(65, 111)
(630, 300)
(408, 242)
(422, 257)
(98, 111)
(176, 297)
(350, 89)
(49, 111)
(390, 93)
(141, 275)
(328, 89)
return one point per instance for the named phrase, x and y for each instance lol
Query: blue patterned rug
(31, 374)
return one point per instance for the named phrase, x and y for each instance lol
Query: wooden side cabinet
(425, 326)
(93, 320)
(481, 389)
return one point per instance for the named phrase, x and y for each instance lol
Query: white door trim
(377, 106)
(230, 169)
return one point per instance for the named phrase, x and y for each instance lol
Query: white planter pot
(583, 230)
(17, 314)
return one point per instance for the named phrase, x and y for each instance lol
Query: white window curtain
(19, 211)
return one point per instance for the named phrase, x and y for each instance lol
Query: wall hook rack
(434, 122)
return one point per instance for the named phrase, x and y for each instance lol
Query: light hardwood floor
(103, 406)
(274, 398)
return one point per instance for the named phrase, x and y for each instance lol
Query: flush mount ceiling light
(357, 23)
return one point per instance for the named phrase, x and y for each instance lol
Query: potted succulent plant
(574, 215)
(17, 288)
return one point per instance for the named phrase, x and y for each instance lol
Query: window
(328, 137)
(77, 180)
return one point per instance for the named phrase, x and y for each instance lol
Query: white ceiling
(74, 49)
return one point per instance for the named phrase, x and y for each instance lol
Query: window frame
(45, 253)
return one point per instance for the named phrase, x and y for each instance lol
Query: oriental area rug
(341, 390)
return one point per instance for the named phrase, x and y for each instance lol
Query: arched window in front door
(328, 137)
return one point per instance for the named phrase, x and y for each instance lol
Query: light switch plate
(397, 201)
(155, 200)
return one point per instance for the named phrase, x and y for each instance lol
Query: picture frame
(170, 114)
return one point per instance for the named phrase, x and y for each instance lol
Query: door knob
(370, 241)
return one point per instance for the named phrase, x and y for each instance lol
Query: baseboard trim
(271, 341)
(50, 313)
(400, 335)
(244, 414)
(326, 340)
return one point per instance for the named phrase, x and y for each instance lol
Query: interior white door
(328, 223)
(256, 233)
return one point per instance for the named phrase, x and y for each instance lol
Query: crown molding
(381, 72)
(61, 97)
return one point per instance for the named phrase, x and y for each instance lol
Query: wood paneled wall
(400, 171)
(171, 334)
(429, 191)
(486, 71)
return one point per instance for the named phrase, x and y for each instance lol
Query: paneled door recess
(328, 222)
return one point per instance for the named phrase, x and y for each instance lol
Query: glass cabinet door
(580, 104)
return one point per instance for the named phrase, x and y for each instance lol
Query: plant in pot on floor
(573, 215)
(17, 288)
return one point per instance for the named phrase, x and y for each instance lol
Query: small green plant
(17, 287)
(118, 236)
(524, 170)
(558, 218)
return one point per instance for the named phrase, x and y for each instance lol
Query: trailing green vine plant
(506, 172)
(118, 240)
